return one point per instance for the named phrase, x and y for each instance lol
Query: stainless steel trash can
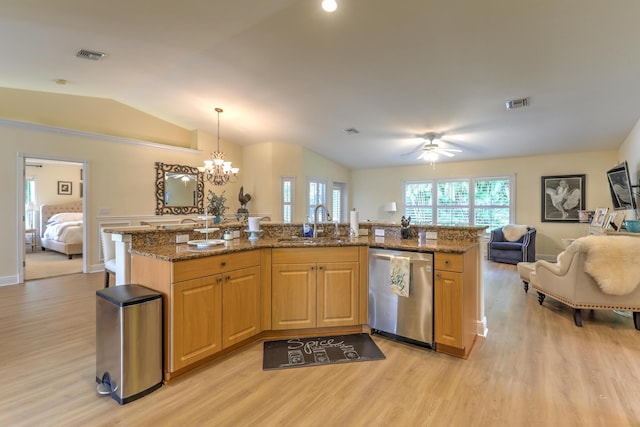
(128, 342)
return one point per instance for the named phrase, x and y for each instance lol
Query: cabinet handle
(313, 268)
(219, 279)
(223, 264)
(437, 275)
(446, 262)
(228, 278)
(320, 268)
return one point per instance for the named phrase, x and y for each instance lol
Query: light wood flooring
(535, 368)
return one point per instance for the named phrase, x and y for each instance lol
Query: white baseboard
(10, 280)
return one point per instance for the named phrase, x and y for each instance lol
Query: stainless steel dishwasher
(407, 318)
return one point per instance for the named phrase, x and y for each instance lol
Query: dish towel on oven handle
(400, 271)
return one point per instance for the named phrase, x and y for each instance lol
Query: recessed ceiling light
(329, 5)
(60, 81)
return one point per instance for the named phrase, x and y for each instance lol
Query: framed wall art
(64, 187)
(562, 197)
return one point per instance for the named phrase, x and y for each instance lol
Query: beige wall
(120, 176)
(373, 187)
(97, 115)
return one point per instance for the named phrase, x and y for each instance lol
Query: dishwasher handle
(388, 258)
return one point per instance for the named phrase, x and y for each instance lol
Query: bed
(61, 228)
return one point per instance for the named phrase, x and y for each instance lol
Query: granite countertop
(183, 251)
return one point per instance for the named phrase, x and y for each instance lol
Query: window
(317, 195)
(338, 202)
(482, 201)
(30, 203)
(287, 185)
(493, 202)
(418, 201)
(453, 203)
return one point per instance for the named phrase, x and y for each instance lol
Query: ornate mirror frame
(161, 207)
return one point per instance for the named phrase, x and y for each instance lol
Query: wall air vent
(517, 103)
(89, 54)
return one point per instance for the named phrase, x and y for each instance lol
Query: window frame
(291, 180)
(471, 205)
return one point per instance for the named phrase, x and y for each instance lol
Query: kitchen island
(222, 298)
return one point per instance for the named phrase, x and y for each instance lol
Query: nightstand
(31, 239)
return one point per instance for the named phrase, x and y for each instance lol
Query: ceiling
(286, 71)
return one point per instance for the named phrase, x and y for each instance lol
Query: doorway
(56, 244)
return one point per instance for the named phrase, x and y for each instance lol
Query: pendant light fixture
(217, 171)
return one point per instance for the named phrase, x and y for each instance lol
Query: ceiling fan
(431, 150)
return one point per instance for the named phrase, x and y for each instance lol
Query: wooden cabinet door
(337, 294)
(293, 296)
(240, 305)
(196, 320)
(448, 308)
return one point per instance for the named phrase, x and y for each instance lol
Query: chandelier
(217, 171)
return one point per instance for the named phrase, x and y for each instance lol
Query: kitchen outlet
(431, 235)
(182, 238)
(379, 232)
(363, 232)
(104, 211)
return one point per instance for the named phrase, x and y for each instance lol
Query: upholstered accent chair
(512, 244)
(109, 255)
(594, 272)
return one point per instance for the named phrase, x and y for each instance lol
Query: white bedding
(68, 232)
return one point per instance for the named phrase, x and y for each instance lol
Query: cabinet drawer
(448, 262)
(201, 267)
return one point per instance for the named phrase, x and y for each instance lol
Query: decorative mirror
(179, 190)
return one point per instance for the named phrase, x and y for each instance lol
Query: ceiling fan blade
(443, 152)
(415, 150)
(424, 153)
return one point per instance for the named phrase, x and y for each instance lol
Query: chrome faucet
(315, 218)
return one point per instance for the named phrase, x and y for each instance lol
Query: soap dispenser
(307, 230)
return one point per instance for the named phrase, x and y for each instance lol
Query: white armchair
(594, 272)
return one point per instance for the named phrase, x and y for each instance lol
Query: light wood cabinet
(210, 303)
(240, 305)
(455, 302)
(196, 319)
(315, 287)
(293, 296)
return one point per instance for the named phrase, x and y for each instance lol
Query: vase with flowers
(215, 206)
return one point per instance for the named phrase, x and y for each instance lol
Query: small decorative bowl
(632, 226)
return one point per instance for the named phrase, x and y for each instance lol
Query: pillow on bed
(65, 217)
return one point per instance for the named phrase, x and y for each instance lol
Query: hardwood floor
(535, 368)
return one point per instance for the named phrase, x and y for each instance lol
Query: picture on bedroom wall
(64, 187)
(562, 197)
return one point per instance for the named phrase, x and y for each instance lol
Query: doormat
(316, 351)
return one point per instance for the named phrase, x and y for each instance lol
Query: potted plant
(216, 206)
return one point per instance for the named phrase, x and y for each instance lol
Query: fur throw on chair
(513, 232)
(614, 261)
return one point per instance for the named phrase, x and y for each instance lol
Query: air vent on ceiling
(517, 103)
(352, 131)
(89, 54)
